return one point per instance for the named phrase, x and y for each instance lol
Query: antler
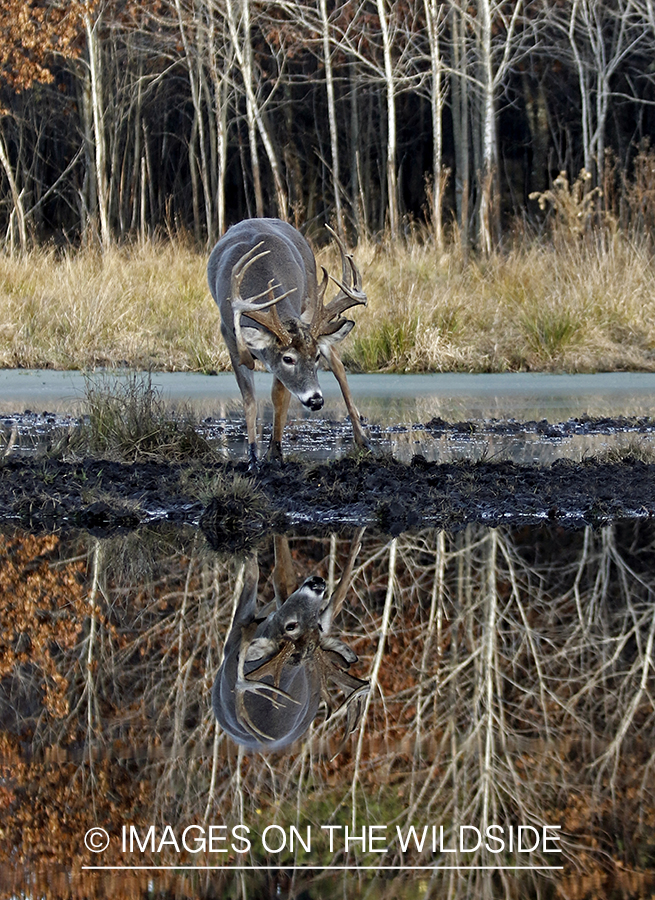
(270, 320)
(350, 294)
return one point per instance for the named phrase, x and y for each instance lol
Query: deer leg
(284, 577)
(281, 398)
(246, 382)
(334, 361)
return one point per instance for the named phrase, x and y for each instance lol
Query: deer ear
(260, 648)
(327, 340)
(256, 338)
(336, 646)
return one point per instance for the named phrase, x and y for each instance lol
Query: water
(511, 673)
(383, 399)
(512, 685)
(396, 407)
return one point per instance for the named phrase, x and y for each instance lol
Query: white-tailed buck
(277, 663)
(262, 275)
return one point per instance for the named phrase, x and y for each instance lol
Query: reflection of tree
(515, 686)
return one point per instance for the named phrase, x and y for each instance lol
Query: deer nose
(315, 402)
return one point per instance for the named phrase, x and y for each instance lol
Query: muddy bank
(235, 508)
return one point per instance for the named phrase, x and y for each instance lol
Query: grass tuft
(127, 420)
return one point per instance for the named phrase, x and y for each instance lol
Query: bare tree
(600, 36)
(239, 23)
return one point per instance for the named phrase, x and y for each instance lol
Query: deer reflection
(278, 661)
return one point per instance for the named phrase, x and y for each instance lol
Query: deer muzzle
(314, 401)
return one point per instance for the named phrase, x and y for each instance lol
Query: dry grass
(579, 305)
(147, 307)
(578, 309)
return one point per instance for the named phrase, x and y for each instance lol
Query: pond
(496, 738)
(505, 747)
(523, 417)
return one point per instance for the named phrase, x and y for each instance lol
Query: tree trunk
(390, 86)
(460, 112)
(332, 117)
(16, 197)
(99, 130)
(433, 15)
(488, 161)
(243, 52)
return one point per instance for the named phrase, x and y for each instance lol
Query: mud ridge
(102, 496)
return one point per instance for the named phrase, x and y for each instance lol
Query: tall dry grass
(145, 306)
(581, 303)
(575, 308)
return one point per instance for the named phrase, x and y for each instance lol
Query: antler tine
(270, 321)
(270, 318)
(350, 293)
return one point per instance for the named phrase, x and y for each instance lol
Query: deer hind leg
(339, 370)
(281, 398)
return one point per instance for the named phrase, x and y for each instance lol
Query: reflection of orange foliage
(42, 609)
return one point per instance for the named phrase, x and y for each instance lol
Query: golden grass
(578, 309)
(146, 306)
(582, 307)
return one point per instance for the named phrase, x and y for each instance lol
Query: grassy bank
(576, 306)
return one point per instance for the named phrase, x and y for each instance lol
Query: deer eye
(288, 360)
(291, 626)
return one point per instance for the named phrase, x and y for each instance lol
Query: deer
(277, 663)
(262, 276)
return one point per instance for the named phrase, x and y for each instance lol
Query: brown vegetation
(512, 680)
(580, 306)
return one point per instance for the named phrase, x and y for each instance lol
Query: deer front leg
(359, 435)
(246, 383)
(281, 398)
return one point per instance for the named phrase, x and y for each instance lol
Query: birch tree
(239, 23)
(435, 21)
(495, 45)
(332, 116)
(600, 37)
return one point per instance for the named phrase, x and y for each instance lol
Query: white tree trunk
(332, 117)
(390, 86)
(220, 113)
(99, 131)
(16, 197)
(432, 16)
(488, 129)
(243, 51)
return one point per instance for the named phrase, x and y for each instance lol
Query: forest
(127, 119)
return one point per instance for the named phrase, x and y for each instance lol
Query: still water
(406, 414)
(505, 748)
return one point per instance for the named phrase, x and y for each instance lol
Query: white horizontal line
(325, 868)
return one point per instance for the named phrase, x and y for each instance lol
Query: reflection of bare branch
(375, 671)
(515, 683)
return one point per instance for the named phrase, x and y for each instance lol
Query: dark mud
(235, 508)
